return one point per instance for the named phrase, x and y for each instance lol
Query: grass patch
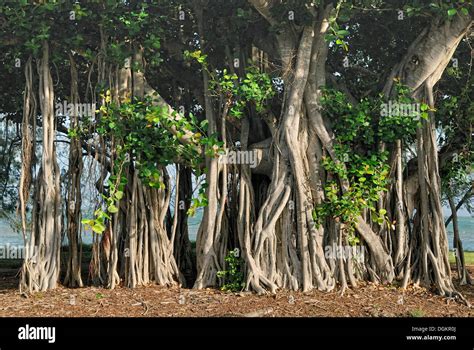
(16, 263)
(468, 256)
(10, 263)
(417, 313)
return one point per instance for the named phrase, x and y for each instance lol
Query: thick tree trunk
(41, 265)
(300, 140)
(420, 69)
(434, 247)
(319, 130)
(271, 264)
(148, 251)
(141, 251)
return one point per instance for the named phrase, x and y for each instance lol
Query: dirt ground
(366, 301)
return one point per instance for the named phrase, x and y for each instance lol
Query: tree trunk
(463, 274)
(272, 264)
(469, 193)
(73, 209)
(209, 245)
(182, 246)
(41, 265)
(420, 69)
(28, 143)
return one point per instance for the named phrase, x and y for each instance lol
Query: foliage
(116, 185)
(399, 126)
(141, 130)
(455, 117)
(233, 276)
(352, 121)
(364, 124)
(337, 34)
(199, 201)
(367, 176)
(447, 9)
(361, 164)
(255, 88)
(144, 127)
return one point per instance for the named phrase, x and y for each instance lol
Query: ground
(367, 300)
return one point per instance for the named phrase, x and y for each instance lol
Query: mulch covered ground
(367, 300)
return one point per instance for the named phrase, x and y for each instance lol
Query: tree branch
(469, 193)
(263, 7)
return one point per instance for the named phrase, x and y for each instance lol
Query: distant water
(466, 232)
(466, 227)
(193, 225)
(9, 236)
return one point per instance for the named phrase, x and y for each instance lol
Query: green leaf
(112, 209)
(343, 18)
(465, 11)
(87, 222)
(98, 227)
(452, 12)
(102, 215)
(119, 195)
(342, 32)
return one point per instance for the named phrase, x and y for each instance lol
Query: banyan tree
(298, 128)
